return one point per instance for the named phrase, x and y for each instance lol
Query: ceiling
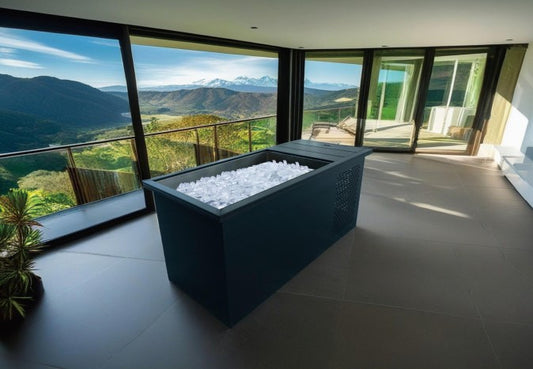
(314, 24)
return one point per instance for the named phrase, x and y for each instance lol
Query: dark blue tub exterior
(232, 259)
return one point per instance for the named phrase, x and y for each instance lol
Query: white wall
(519, 129)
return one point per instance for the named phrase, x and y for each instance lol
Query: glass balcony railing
(65, 176)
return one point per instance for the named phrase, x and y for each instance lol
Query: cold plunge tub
(232, 259)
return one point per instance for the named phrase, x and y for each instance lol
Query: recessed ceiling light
(300, 47)
(509, 39)
(253, 27)
(384, 45)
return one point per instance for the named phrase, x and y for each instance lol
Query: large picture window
(331, 95)
(201, 103)
(54, 100)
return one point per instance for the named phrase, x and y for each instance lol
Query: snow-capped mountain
(265, 84)
(327, 86)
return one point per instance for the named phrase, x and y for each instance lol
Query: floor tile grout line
(111, 256)
(148, 326)
(53, 366)
(405, 308)
(484, 327)
(448, 243)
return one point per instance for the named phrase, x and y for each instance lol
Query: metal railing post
(74, 178)
(249, 136)
(197, 148)
(217, 155)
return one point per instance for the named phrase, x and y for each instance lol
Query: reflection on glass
(331, 94)
(452, 100)
(392, 95)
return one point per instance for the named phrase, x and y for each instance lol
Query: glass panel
(452, 100)
(185, 85)
(175, 151)
(331, 94)
(392, 96)
(55, 91)
(44, 174)
(103, 170)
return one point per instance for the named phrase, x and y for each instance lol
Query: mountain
(327, 86)
(61, 101)
(21, 131)
(264, 84)
(218, 101)
(232, 104)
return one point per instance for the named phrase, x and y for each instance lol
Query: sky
(329, 72)
(98, 62)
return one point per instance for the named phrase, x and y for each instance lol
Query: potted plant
(20, 287)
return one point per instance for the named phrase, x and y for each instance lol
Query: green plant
(19, 241)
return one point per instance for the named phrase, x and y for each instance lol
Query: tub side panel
(194, 254)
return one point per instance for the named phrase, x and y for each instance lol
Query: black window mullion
(423, 88)
(297, 93)
(362, 104)
(283, 110)
(136, 120)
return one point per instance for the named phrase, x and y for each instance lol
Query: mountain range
(35, 112)
(39, 111)
(264, 84)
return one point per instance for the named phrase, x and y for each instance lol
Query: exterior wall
(519, 130)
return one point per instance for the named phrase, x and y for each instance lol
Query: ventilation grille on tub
(345, 197)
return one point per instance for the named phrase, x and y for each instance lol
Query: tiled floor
(437, 274)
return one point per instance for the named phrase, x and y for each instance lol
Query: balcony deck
(437, 274)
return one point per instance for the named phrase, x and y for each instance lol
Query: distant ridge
(264, 84)
(67, 102)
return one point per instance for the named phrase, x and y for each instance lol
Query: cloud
(19, 63)
(6, 50)
(106, 43)
(8, 41)
(207, 68)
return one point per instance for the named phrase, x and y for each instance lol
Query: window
(392, 98)
(452, 99)
(331, 95)
(54, 99)
(200, 102)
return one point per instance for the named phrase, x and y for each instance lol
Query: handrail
(207, 125)
(327, 109)
(122, 138)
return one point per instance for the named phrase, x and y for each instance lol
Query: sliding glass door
(452, 99)
(331, 95)
(392, 97)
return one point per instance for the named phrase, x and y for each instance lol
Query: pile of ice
(229, 187)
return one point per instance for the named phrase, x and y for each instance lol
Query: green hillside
(68, 102)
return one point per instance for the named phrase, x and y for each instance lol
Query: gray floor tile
(413, 219)
(522, 260)
(326, 276)
(184, 336)
(512, 344)
(64, 271)
(498, 288)
(286, 331)
(84, 326)
(137, 238)
(407, 273)
(384, 338)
